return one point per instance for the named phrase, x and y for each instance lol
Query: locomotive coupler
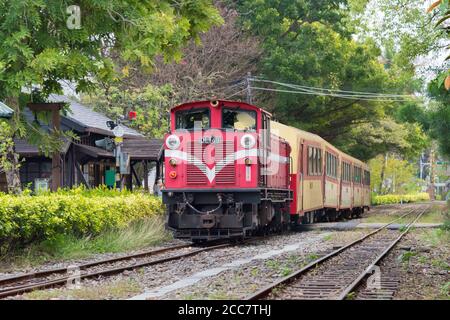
(181, 207)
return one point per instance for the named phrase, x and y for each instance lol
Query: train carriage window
(357, 174)
(310, 161)
(331, 165)
(319, 161)
(236, 119)
(314, 161)
(349, 172)
(366, 178)
(315, 155)
(346, 172)
(193, 119)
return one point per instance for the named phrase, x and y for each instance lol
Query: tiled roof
(138, 149)
(26, 149)
(88, 118)
(5, 111)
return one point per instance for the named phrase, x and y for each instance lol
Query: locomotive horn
(214, 103)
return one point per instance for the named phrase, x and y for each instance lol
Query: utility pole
(249, 88)
(421, 166)
(432, 170)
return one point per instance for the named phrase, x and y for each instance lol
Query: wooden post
(56, 159)
(56, 124)
(145, 175)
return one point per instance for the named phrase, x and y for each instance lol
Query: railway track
(15, 285)
(338, 274)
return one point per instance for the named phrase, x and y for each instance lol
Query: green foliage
(400, 173)
(26, 218)
(151, 103)
(37, 47)
(6, 145)
(140, 233)
(310, 43)
(406, 256)
(400, 198)
(440, 114)
(384, 135)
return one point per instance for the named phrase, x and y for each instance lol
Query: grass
(436, 237)
(436, 214)
(440, 263)
(445, 290)
(138, 235)
(311, 257)
(328, 237)
(351, 296)
(221, 295)
(115, 290)
(384, 218)
(406, 257)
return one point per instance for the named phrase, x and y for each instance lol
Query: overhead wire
(346, 94)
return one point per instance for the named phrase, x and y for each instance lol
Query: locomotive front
(212, 171)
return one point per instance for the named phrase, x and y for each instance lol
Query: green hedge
(399, 198)
(26, 218)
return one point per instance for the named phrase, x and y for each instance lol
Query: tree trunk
(12, 173)
(383, 170)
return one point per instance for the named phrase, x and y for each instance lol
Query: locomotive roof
(304, 134)
(194, 103)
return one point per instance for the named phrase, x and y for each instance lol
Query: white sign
(118, 131)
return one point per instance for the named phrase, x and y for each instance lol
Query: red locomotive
(228, 175)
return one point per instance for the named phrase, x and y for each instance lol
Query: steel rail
(64, 280)
(369, 269)
(290, 278)
(44, 273)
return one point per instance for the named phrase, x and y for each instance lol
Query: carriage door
(265, 149)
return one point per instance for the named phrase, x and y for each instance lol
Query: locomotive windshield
(193, 119)
(236, 119)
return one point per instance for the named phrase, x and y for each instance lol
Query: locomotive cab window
(193, 119)
(240, 120)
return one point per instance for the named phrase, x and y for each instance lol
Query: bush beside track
(400, 198)
(79, 212)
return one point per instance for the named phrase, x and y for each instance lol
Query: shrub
(79, 212)
(400, 198)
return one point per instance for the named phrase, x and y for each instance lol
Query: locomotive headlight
(173, 142)
(248, 161)
(248, 141)
(173, 162)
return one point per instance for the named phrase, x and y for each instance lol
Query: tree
(383, 136)
(440, 114)
(151, 103)
(310, 43)
(37, 47)
(398, 175)
(210, 70)
(443, 16)
(8, 158)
